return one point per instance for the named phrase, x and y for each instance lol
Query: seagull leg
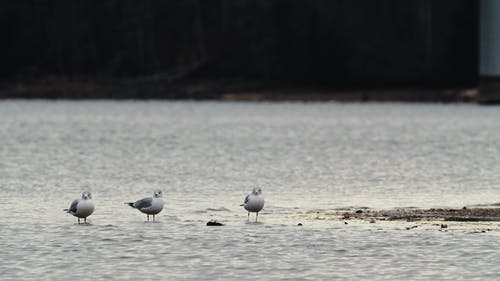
(153, 217)
(85, 220)
(78, 220)
(148, 217)
(256, 216)
(248, 216)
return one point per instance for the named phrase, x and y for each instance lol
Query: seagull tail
(242, 204)
(66, 210)
(131, 204)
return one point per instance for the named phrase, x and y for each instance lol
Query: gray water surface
(206, 156)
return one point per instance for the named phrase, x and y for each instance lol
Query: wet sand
(471, 220)
(460, 215)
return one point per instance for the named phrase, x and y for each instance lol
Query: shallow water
(206, 156)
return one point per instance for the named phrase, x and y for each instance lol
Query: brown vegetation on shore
(232, 90)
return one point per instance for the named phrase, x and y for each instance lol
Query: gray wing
(143, 203)
(246, 198)
(72, 208)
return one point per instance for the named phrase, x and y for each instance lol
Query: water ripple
(311, 159)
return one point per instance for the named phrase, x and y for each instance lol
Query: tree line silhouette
(333, 43)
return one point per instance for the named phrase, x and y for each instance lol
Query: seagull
(150, 205)
(254, 202)
(82, 208)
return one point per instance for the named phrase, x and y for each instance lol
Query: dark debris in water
(214, 223)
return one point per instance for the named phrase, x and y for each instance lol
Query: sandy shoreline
(471, 220)
(460, 215)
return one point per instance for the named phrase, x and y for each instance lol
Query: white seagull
(254, 202)
(149, 206)
(82, 208)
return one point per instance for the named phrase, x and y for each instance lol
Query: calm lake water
(206, 156)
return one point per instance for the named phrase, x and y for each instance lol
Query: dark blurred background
(162, 48)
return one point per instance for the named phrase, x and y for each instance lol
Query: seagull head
(86, 195)
(257, 191)
(158, 193)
